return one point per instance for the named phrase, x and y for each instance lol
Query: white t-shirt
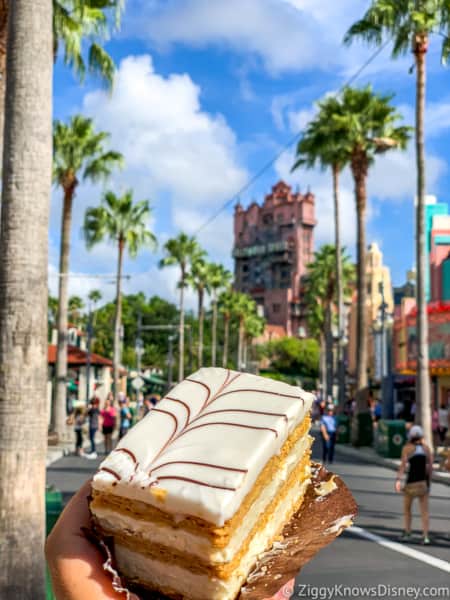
(443, 417)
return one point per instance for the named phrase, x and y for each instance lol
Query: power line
(287, 145)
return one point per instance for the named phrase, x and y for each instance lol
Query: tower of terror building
(273, 244)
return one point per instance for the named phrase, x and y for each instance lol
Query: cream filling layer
(162, 575)
(187, 542)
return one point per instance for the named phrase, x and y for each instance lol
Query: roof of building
(78, 357)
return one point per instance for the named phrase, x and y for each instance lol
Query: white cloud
(170, 144)
(284, 34)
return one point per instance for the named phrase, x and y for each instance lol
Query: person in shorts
(109, 416)
(78, 422)
(417, 460)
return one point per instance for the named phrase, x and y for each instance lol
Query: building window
(245, 268)
(268, 219)
(276, 308)
(279, 217)
(369, 288)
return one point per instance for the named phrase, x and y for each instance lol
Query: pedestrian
(146, 407)
(93, 416)
(443, 418)
(108, 415)
(418, 458)
(328, 434)
(78, 422)
(125, 417)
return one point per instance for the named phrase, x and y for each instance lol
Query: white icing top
(205, 444)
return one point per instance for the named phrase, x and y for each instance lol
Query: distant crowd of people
(108, 419)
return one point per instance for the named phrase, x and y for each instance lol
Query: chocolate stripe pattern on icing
(215, 407)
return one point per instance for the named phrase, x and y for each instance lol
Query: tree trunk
(214, 331)
(339, 289)
(4, 10)
(323, 367)
(423, 399)
(181, 328)
(226, 340)
(118, 321)
(359, 169)
(328, 352)
(240, 343)
(59, 407)
(26, 191)
(201, 320)
(245, 352)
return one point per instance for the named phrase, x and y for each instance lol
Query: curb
(371, 457)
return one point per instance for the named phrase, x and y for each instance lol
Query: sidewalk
(368, 454)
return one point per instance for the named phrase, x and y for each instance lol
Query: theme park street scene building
(273, 244)
(438, 293)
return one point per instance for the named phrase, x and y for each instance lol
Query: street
(351, 560)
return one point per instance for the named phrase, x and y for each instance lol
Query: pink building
(273, 244)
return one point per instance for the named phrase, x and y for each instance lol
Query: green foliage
(120, 220)
(154, 311)
(401, 21)
(367, 124)
(320, 285)
(294, 357)
(79, 152)
(322, 143)
(182, 251)
(80, 24)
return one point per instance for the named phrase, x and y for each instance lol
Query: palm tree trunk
(240, 344)
(323, 366)
(214, 331)
(423, 400)
(359, 170)
(226, 340)
(59, 408)
(201, 320)
(329, 351)
(181, 328)
(26, 188)
(339, 289)
(4, 9)
(245, 352)
(118, 321)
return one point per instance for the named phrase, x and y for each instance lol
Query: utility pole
(88, 356)
(170, 363)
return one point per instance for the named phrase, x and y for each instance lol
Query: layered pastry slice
(205, 483)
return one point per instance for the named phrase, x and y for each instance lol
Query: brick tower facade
(273, 244)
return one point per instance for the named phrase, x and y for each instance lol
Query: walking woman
(418, 458)
(108, 415)
(328, 433)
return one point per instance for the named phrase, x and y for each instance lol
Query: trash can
(390, 438)
(53, 508)
(343, 429)
(362, 429)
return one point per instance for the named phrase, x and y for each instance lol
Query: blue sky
(206, 93)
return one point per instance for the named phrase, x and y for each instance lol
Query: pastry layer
(277, 469)
(113, 520)
(201, 450)
(178, 581)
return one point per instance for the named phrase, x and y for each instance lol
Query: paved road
(350, 560)
(354, 561)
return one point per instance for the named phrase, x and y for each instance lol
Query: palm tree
(409, 26)
(79, 153)
(182, 251)
(244, 307)
(123, 222)
(253, 328)
(368, 125)
(74, 22)
(219, 278)
(321, 300)
(75, 306)
(26, 187)
(199, 278)
(226, 302)
(322, 145)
